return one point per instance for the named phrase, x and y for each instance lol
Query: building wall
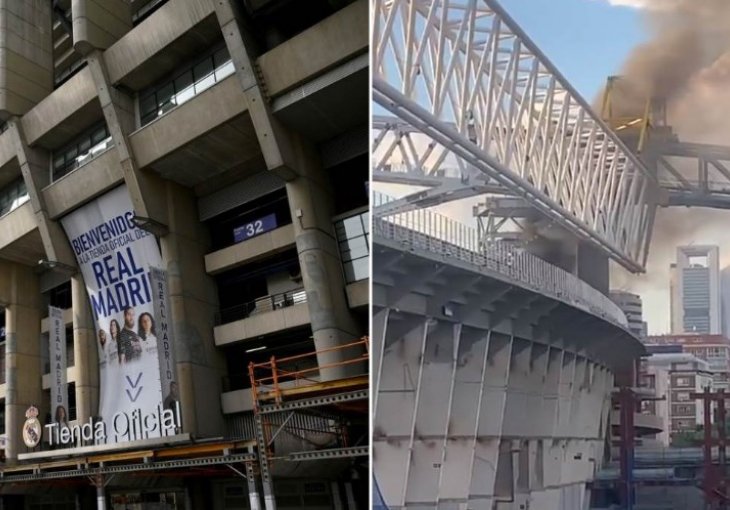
(223, 135)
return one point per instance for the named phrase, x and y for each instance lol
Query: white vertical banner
(164, 335)
(57, 357)
(116, 259)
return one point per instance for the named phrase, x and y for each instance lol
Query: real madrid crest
(32, 429)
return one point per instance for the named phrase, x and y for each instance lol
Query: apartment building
(714, 349)
(229, 137)
(675, 376)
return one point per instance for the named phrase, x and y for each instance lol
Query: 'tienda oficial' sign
(123, 427)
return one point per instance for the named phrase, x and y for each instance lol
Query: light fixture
(150, 225)
(256, 349)
(54, 265)
(448, 312)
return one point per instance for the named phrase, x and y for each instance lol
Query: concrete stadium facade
(213, 114)
(492, 380)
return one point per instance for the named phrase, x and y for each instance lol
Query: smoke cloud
(686, 62)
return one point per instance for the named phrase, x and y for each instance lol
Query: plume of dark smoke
(686, 62)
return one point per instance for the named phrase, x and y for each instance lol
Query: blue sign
(254, 228)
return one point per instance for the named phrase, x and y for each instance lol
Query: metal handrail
(271, 385)
(436, 233)
(261, 305)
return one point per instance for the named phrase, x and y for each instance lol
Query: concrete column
(34, 166)
(332, 321)
(145, 188)
(85, 352)
(193, 302)
(20, 293)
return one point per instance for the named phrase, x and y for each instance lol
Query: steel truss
(693, 174)
(477, 102)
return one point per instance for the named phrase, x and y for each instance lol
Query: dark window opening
(282, 345)
(350, 184)
(273, 22)
(245, 291)
(59, 297)
(145, 11)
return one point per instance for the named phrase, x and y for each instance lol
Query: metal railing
(436, 233)
(269, 379)
(261, 305)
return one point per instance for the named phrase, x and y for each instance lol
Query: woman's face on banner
(113, 329)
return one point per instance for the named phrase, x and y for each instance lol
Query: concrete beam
(146, 191)
(34, 166)
(51, 122)
(85, 183)
(127, 57)
(335, 39)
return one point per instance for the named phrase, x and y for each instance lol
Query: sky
(587, 40)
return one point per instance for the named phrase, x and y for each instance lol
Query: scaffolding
(305, 405)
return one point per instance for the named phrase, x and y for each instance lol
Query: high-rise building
(695, 289)
(225, 143)
(631, 305)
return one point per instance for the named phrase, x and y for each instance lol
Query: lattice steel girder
(333, 453)
(693, 173)
(322, 400)
(438, 64)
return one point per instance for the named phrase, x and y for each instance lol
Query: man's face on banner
(129, 318)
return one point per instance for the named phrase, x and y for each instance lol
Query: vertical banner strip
(164, 335)
(57, 358)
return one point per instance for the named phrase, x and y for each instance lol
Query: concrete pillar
(20, 293)
(85, 352)
(310, 201)
(99, 23)
(193, 303)
(26, 76)
(145, 188)
(34, 165)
